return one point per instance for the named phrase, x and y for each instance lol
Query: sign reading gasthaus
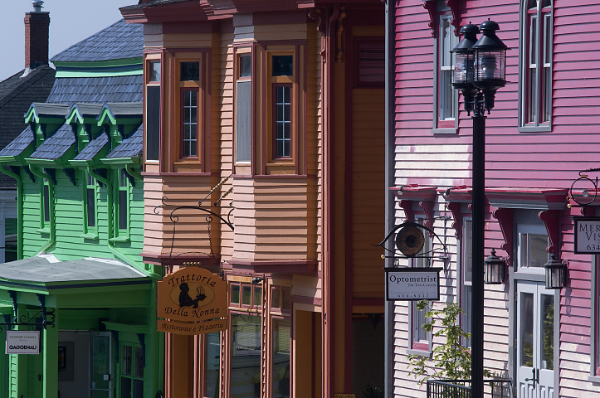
(410, 284)
(21, 342)
(587, 235)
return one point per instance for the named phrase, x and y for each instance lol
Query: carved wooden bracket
(454, 207)
(406, 205)
(316, 15)
(427, 206)
(551, 219)
(505, 219)
(431, 7)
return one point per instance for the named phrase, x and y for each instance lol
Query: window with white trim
(532, 241)
(446, 110)
(535, 98)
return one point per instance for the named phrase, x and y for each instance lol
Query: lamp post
(480, 69)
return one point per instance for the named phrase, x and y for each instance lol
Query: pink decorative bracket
(406, 205)
(551, 219)
(431, 7)
(454, 207)
(505, 219)
(427, 206)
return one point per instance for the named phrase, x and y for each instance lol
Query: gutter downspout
(390, 40)
(19, 209)
(133, 173)
(51, 206)
(110, 221)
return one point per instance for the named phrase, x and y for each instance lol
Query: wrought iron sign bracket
(23, 320)
(586, 197)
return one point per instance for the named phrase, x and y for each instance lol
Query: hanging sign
(191, 295)
(411, 284)
(21, 342)
(587, 235)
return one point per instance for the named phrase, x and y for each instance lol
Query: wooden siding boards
(513, 159)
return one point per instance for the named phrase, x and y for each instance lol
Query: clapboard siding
(513, 159)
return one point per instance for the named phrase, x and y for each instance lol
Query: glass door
(535, 341)
(100, 365)
(132, 371)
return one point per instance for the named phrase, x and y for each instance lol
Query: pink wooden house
(542, 132)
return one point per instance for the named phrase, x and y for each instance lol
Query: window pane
(126, 361)
(287, 299)
(282, 122)
(538, 256)
(235, 294)
(243, 121)
(91, 207)
(467, 293)
(257, 296)
(276, 297)
(152, 122)
(139, 363)
(122, 209)
(419, 318)
(154, 72)
(371, 62)
(245, 65)
(246, 294)
(467, 251)
(212, 359)
(190, 71)
(125, 387)
(245, 371)
(138, 389)
(283, 65)
(46, 203)
(190, 123)
(526, 329)
(547, 327)
(281, 358)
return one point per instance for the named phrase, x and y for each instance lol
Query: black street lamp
(479, 70)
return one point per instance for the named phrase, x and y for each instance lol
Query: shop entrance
(84, 364)
(535, 341)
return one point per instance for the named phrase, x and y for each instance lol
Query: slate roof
(19, 144)
(44, 269)
(16, 95)
(130, 147)
(93, 148)
(45, 109)
(125, 109)
(57, 145)
(89, 110)
(72, 90)
(151, 3)
(118, 41)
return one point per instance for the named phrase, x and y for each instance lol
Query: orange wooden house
(270, 114)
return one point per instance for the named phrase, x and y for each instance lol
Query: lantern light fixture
(556, 273)
(495, 269)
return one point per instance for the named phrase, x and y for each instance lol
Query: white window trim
(528, 229)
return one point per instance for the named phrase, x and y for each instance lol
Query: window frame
(242, 52)
(121, 235)
(132, 377)
(449, 125)
(205, 369)
(529, 229)
(374, 41)
(183, 86)
(275, 156)
(46, 206)
(194, 142)
(277, 318)
(465, 298)
(421, 346)
(542, 42)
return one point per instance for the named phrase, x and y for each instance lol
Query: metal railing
(494, 388)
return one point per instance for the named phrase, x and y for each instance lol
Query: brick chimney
(37, 25)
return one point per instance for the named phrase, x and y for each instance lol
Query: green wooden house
(80, 279)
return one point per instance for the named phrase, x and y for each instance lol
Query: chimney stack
(37, 25)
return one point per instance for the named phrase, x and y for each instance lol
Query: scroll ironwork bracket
(47, 314)
(585, 200)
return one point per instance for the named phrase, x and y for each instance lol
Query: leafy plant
(372, 391)
(451, 360)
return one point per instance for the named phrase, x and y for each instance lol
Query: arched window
(535, 98)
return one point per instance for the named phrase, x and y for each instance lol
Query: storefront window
(281, 358)
(245, 355)
(212, 356)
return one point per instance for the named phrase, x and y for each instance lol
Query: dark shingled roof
(130, 147)
(118, 41)
(19, 144)
(72, 90)
(93, 148)
(125, 109)
(89, 110)
(16, 95)
(151, 3)
(45, 109)
(57, 145)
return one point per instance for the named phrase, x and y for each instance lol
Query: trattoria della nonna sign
(192, 295)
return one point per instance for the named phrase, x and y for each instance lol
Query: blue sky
(70, 22)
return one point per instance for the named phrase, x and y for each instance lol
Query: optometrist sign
(412, 284)
(587, 235)
(191, 295)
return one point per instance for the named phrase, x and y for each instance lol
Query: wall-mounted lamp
(495, 269)
(556, 273)
(256, 281)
